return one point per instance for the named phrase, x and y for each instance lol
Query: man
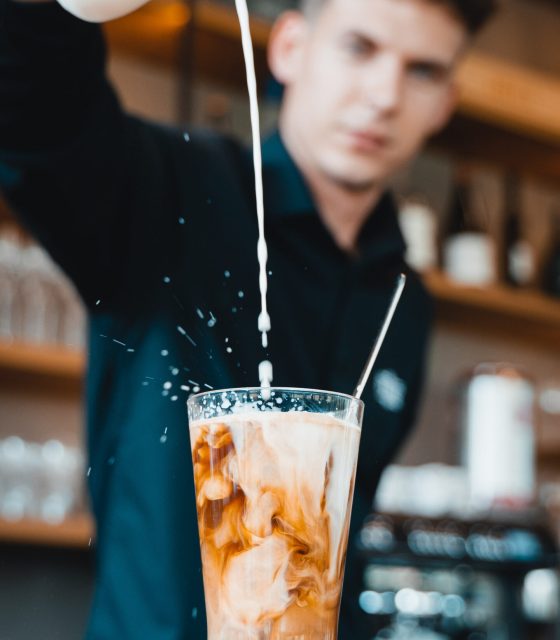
(157, 229)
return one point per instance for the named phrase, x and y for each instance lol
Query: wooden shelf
(38, 360)
(527, 314)
(529, 306)
(510, 96)
(75, 532)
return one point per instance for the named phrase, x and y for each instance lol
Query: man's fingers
(101, 10)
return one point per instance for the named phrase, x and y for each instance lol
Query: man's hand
(101, 10)
(96, 10)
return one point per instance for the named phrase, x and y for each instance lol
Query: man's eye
(358, 48)
(428, 72)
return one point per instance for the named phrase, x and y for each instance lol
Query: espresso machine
(445, 578)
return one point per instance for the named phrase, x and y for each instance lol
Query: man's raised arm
(64, 152)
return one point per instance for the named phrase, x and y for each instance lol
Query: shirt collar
(286, 194)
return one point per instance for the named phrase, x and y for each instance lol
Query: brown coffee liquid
(273, 493)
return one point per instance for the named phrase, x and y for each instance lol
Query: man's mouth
(367, 141)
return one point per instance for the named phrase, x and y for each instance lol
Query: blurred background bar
(455, 546)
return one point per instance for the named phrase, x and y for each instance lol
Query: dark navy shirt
(158, 231)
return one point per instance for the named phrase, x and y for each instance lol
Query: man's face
(366, 82)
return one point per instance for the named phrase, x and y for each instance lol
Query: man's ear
(446, 108)
(285, 46)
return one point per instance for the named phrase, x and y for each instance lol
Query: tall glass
(274, 478)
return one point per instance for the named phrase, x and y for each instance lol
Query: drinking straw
(401, 281)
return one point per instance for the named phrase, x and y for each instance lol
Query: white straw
(401, 281)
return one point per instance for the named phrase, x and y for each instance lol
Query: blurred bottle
(73, 319)
(468, 251)
(9, 263)
(38, 304)
(40, 480)
(552, 265)
(60, 481)
(518, 257)
(419, 227)
(40, 311)
(16, 469)
(541, 595)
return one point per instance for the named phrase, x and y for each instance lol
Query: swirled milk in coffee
(273, 494)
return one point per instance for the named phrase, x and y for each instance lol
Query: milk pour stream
(265, 367)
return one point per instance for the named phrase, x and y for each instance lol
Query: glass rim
(339, 394)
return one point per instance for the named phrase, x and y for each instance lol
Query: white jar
(419, 228)
(470, 258)
(498, 437)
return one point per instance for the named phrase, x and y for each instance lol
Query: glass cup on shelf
(17, 470)
(60, 482)
(40, 308)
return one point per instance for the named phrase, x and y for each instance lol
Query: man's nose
(384, 85)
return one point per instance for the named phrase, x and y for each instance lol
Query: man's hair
(473, 14)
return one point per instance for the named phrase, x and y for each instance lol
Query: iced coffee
(274, 479)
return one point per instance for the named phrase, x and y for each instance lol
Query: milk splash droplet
(264, 327)
(265, 377)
